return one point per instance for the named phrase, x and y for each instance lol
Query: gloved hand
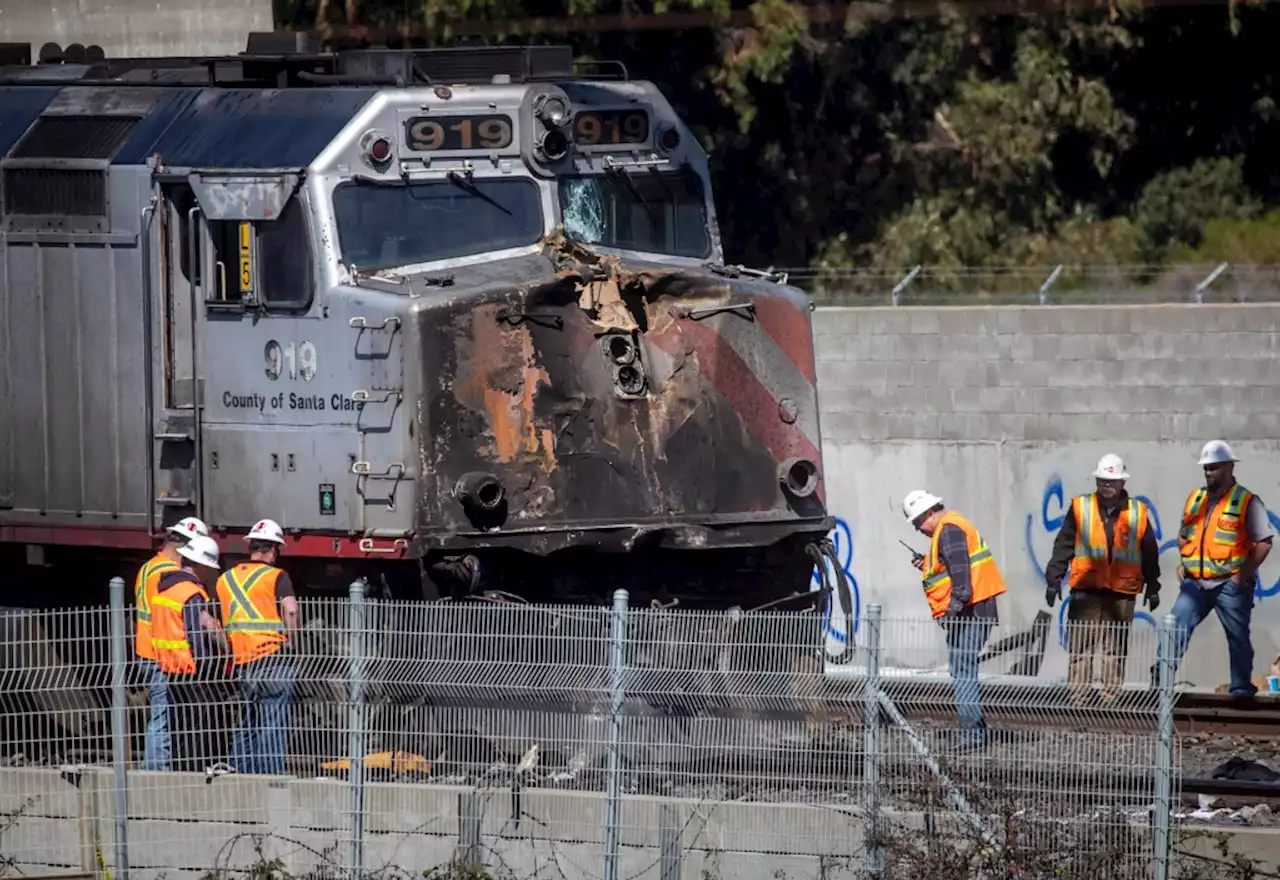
(1051, 593)
(1151, 598)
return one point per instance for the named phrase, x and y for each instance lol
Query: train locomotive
(459, 319)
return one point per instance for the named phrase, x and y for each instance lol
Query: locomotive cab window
(639, 210)
(384, 226)
(268, 261)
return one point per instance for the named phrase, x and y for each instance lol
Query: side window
(284, 262)
(269, 260)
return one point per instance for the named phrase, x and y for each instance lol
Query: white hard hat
(1110, 467)
(266, 530)
(917, 502)
(188, 527)
(1216, 452)
(202, 550)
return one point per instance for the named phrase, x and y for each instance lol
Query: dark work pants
(198, 722)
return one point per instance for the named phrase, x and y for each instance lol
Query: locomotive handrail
(196, 402)
(365, 469)
(399, 545)
(148, 384)
(360, 322)
(365, 395)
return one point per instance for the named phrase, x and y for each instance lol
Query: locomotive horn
(479, 491)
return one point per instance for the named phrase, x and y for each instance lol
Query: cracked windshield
(382, 226)
(637, 210)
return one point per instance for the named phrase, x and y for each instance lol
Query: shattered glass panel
(583, 209)
(640, 210)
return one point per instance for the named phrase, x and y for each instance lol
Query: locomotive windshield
(385, 225)
(662, 213)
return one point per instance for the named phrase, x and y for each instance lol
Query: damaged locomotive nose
(479, 492)
(799, 476)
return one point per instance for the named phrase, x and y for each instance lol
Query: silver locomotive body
(458, 315)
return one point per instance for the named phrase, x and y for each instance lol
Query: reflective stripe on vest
(985, 579)
(144, 588)
(1091, 565)
(254, 628)
(1215, 544)
(169, 631)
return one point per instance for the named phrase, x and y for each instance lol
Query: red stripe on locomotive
(789, 328)
(744, 391)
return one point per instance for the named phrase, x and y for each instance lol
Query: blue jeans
(157, 749)
(266, 687)
(965, 639)
(1234, 606)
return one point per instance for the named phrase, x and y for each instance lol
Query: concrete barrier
(133, 28)
(1004, 412)
(181, 827)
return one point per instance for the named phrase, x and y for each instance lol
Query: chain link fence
(1039, 285)
(505, 740)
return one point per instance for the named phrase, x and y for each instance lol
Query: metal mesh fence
(578, 742)
(1040, 285)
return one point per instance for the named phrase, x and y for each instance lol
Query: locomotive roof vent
(455, 64)
(18, 54)
(280, 43)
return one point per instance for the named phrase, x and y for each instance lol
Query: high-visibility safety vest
(984, 578)
(1215, 545)
(145, 586)
(247, 594)
(1090, 567)
(169, 631)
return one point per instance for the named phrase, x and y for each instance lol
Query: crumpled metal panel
(520, 382)
(256, 128)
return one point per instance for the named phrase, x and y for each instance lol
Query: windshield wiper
(621, 171)
(467, 184)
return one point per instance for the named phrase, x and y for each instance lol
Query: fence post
(618, 632)
(669, 853)
(871, 742)
(119, 725)
(355, 729)
(1167, 633)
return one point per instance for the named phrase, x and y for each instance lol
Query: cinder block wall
(136, 27)
(1004, 411)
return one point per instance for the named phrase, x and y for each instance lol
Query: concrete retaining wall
(136, 27)
(180, 828)
(414, 827)
(1005, 411)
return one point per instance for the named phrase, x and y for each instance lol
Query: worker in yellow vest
(1225, 536)
(961, 583)
(156, 748)
(259, 611)
(1108, 554)
(189, 649)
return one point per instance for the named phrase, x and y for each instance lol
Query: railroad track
(1134, 710)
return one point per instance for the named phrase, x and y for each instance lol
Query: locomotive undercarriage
(467, 698)
(750, 651)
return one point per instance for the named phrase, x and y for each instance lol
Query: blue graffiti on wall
(1053, 510)
(842, 538)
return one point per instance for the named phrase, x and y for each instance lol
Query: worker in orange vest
(961, 583)
(189, 648)
(1108, 554)
(156, 754)
(259, 611)
(1225, 536)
